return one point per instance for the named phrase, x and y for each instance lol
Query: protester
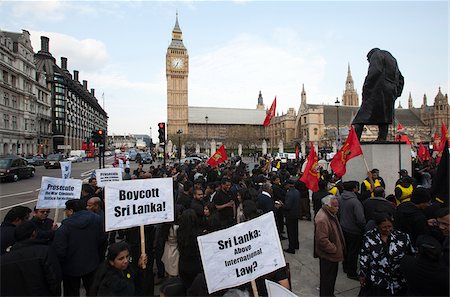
(31, 268)
(443, 221)
(329, 244)
(403, 190)
(77, 243)
(171, 255)
(292, 213)
(46, 226)
(305, 208)
(376, 206)
(115, 277)
(225, 204)
(190, 263)
(14, 217)
(317, 196)
(372, 181)
(381, 253)
(425, 273)
(197, 204)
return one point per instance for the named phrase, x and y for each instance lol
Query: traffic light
(162, 132)
(101, 136)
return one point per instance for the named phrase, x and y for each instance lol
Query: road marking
(16, 194)
(87, 173)
(22, 203)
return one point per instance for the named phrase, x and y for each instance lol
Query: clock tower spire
(177, 71)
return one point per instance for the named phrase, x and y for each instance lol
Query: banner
(241, 253)
(121, 165)
(270, 113)
(106, 175)
(138, 202)
(55, 192)
(218, 157)
(66, 169)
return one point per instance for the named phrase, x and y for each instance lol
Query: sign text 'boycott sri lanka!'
(138, 202)
(241, 253)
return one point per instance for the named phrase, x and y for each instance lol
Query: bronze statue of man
(383, 84)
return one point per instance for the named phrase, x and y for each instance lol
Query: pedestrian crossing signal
(162, 132)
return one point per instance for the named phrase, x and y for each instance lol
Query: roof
(229, 116)
(406, 117)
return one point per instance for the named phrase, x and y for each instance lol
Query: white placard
(241, 253)
(106, 175)
(277, 290)
(138, 202)
(291, 156)
(66, 169)
(55, 192)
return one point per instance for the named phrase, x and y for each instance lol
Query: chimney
(75, 75)
(63, 63)
(85, 84)
(93, 92)
(44, 44)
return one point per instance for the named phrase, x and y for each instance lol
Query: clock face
(177, 63)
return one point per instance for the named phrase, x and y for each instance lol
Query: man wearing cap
(31, 268)
(403, 190)
(77, 243)
(372, 181)
(404, 174)
(409, 216)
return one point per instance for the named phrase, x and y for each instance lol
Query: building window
(304, 120)
(14, 122)
(5, 77)
(315, 131)
(14, 101)
(6, 121)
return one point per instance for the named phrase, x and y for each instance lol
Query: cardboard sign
(55, 192)
(138, 202)
(277, 290)
(66, 169)
(241, 253)
(106, 175)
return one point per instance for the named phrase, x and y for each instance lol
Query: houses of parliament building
(317, 123)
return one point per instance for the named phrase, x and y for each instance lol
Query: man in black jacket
(31, 268)
(77, 243)
(14, 217)
(292, 212)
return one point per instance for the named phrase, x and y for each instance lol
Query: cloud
(277, 65)
(85, 54)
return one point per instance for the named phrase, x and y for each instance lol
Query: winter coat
(410, 219)
(77, 243)
(377, 205)
(109, 281)
(7, 236)
(328, 237)
(292, 204)
(351, 213)
(379, 262)
(31, 268)
(44, 228)
(383, 84)
(265, 202)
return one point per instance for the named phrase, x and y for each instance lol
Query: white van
(77, 156)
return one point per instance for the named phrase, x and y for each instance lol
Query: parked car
(53, 161)
(75, 159)
(191, 159)
(144, 157)
(132, 154)
(202, 156)
(35, 160)
(14, 168)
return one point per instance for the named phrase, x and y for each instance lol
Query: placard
(55, 192)
(66, 169)
(138, 202)
(106, 175)
(241, 253)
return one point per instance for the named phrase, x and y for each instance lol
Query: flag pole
(254, 288)
(142, 231)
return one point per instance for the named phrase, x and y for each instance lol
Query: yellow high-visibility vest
(376, 183)
(406, 194)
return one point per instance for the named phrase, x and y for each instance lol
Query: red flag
(423, 153)
(442, 142)
(349, 150)
(401, 137)
(270, 113)
(219, 156)
(83, 145)
(311, 175)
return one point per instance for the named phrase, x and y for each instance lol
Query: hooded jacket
(351, 213)
(411, 220)
(77, 243)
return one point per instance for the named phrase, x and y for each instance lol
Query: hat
(291, 181)
(403, 171)
(420, 195)
(374, 170)
(24, 230)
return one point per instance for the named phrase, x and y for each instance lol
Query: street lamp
(338, 139)
(179, 132)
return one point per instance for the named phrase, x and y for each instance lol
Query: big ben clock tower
(177, 70)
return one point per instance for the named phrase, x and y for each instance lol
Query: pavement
(305, 268)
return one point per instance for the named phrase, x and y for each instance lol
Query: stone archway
(5, 149)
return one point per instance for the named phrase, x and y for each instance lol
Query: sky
(236, 49)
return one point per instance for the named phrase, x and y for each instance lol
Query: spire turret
(303, 95)
(410, 101)
(350, 97)
(260, 104)
(177, 36)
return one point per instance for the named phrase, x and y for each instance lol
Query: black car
(14, 168)
(36, 160)
(53, 161)
(145, 158)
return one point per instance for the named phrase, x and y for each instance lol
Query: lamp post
(179, 132)
(338, 138)
(206, 146)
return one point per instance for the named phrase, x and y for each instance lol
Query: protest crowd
(393, 245)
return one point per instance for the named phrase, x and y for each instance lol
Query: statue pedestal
(388, 157)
